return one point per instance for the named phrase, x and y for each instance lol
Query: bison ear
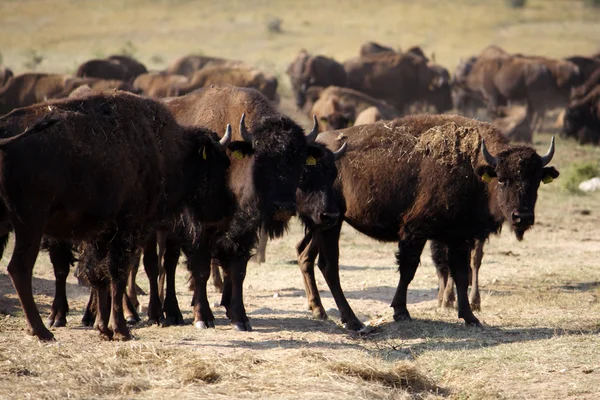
(486, 172)
(240, 149)
(549, 174)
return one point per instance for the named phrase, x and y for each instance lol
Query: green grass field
(540, 297)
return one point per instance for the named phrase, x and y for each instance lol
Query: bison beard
(95, 176)
(420, 178)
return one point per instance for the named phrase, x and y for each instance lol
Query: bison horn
(247, 136)
(340, 152)
(310, 138)
(226, 139)
(548, 157)
(490, 159)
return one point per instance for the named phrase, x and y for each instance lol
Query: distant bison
(5, 75)
(582, 118)
(372, 48)
(188, 65)
(115, 67)
(444, 178)
(159, 84)
(30, 88)
(307, 71)
(400, 80)
(240, 76)
(94, 174)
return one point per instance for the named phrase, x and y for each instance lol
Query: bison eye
(502, 181)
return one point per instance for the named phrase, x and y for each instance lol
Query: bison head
(436, 85)
(317, 205)
(518, 171)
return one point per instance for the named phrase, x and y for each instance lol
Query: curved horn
(226, 139)
(548, 157)
(340, 152)
(490, 159)
(247, 136)
(310, 138)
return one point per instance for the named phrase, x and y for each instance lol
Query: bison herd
(104, 167)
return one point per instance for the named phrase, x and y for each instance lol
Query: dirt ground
(540, 297)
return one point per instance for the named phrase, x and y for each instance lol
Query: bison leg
(61, 256)
(28, 237)
(261, 251)
(408, 257)
(103, 305)
(234, 280)
(89, 315)
(155, 314)
(459, 257)
(439, 255)
(161, 238)
(328, 263)
(131, 285)
(170, 305)
(307, 253)
(199, 266)
(215, 273)
(121, 255)
(474, 297)
(131, 315)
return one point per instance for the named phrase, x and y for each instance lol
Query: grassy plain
(541, 297)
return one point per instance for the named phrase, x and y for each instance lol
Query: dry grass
(540, 297)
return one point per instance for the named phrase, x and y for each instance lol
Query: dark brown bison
(114, 68)
(159, 84)
(582, 118)
(372, 48)
(30, 88)
(587, 65)
(400, 80)
(240, 76)
(188, 65)
(5, 75)
(95, 177)
(338, 107)
(307, 71)
(445, 178)
(274, 172)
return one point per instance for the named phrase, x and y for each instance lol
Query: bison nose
(523, 218)
(284, 211)
(329, 218)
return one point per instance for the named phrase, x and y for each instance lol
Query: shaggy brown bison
(79, 169)
(445, 178)
(400, 80)
(30, 88)
(307, 71)
(269, 172)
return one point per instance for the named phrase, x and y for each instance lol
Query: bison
(307, 71)
(276, 172)
(240, 76)
(30, 88)
(373, 48)
(582, 118)
(159, 84)
(80, 169)
(445, 178)
(188, 65)
(121, 68)
(583, 90)
(400, 80)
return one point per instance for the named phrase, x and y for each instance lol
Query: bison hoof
(402, 316)
(132, 320)
(474, 322)
(354, 325)
(319, 313)
(122, 336)
(475, 306)
(448, 304)
(171, 321)
(242, 326)
(57, 322)
(43, 334)
(204, 324)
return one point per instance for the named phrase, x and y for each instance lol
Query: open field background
(541, 297)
